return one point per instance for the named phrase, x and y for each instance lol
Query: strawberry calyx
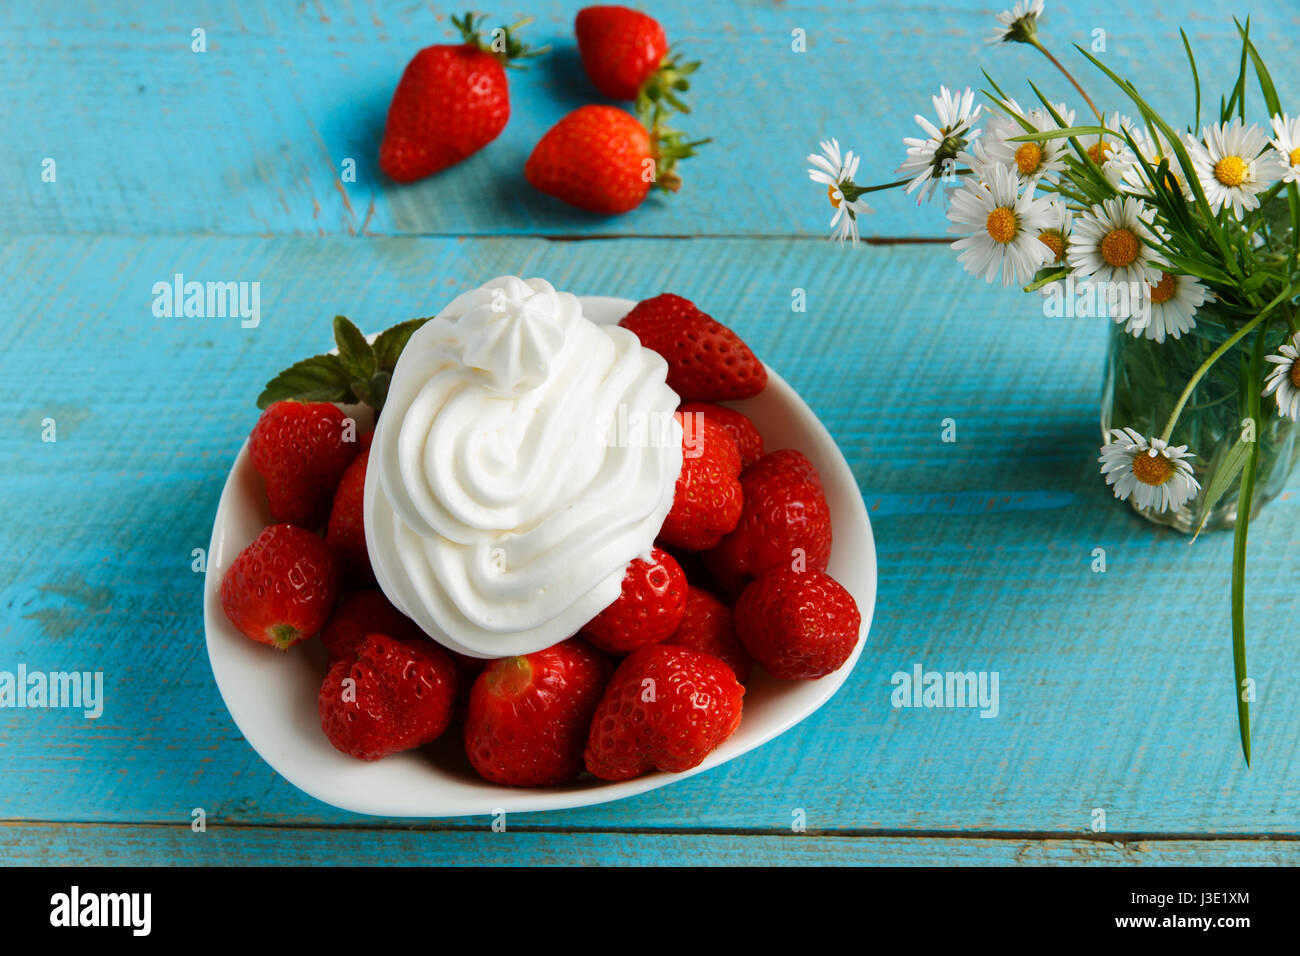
(283, 636)
(667, 146)
(501, 43)
(663, 85)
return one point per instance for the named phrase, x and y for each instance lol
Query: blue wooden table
(226, 165)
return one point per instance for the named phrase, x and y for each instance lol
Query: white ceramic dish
(272, 695)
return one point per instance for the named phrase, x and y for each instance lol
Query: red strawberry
(798, 624)
(708, 627)
(281, 588)
(738, 426)
(301, 450)
(648, 610)
(528, 716)
(625, 53)
(707, 362)
(400, 697)
(452, 101)
(666, 708)
(347, 530)
(361, 613)
(707, 500)
(604, 160)
(785, 522)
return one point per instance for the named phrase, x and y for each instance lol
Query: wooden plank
(100, 845)
(249, 137)
(1115, 687)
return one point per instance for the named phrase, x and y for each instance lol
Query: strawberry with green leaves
(452, 100)
(625, 53)
(606, 161)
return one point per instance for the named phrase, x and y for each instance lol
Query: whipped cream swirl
(504, 496)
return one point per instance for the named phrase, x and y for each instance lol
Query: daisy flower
(1056, 234)
(1173, 302)
(1111, 152)
(1032, 161)
(1007, 223)
(1231, 170)
(1019, 24)
(1110, 243)
(1283, 381)
(836, 172)
(1154, 149)
(1151, 472)
(1287, 145)
(934, 158)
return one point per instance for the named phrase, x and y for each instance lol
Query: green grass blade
(1196, 76)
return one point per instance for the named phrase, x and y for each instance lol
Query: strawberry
(393, 696)
(798, 624)
(666, 708)
(708, 627)
(528, 716)
(707, 362)
(785, 522)
(605, 160)
(281, 588)
(625, 53)
(361, 613)
(648, 610)
(707, 500)
(346, 533)
(301, 450)
(738, 426)
(452, 100)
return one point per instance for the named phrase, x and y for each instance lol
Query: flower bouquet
(1187, 237)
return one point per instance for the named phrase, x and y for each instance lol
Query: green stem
(852, 190)
(1217, 354)
(1037, 44)
(1244, 503)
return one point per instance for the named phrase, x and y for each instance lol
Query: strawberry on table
(798, 624)
(393, 696)
(737, 424)
(785, 521)
(281, 588)
(707, 362)
(362, 613)
(666, 708)
(708, 626)
(707, 500)
(301, 450)
(452, 100)
(528, 717)
(647, 611)
(346, 532)
(625, 53)
(605, 160)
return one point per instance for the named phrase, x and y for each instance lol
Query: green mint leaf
(389, 344)
(321, 378)
(357, 355)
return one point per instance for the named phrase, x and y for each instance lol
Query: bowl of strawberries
(745, 615)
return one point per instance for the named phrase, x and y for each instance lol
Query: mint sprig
(359, 373)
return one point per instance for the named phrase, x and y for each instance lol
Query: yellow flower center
(1054, 241)
(1001, 224)
(1295, 156)
(1152, 470)
(1028, 158)
(1295, 373)
(1164, 290)
(1100, 152)
(833, 193)
(1231, 170)
(1120, 247)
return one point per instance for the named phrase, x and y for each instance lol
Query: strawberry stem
(665, 83)
(668, 147)
(502, 42)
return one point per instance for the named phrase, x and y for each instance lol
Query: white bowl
(272, 696)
